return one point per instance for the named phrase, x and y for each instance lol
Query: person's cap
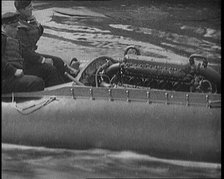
(21, 4)
(10, 18)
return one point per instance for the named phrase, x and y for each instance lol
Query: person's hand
(48, 61)
(18, 73)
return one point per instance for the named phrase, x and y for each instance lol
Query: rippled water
(21, 162)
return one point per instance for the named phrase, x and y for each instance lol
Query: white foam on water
(6, 146)
(123, 155)
(210, 32)
(127, 155)
(121, 26)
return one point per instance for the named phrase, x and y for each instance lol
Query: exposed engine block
(158, 77)
(152, 72)
(138, 71)
(167, 76)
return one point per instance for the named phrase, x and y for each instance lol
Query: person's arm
(31, 56)
(7, 68)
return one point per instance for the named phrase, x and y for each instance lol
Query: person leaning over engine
(16, 53)
(13, 78)
(30, 32)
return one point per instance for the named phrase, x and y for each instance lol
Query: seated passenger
(190, 70)
(13, 78)
(30, 32)
(15, 53)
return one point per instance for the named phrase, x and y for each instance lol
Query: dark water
(22, 162)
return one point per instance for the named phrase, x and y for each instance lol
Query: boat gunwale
(126, 94)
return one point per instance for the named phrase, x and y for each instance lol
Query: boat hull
(158, 129)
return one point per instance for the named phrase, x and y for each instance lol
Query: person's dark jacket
(7, 69)
(29, 32)
(28, 56)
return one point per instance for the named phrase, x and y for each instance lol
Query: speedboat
(167, 110)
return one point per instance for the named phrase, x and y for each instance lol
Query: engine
(136, 71)
(140, 72)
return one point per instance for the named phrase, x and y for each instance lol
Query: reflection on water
(20, 162)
